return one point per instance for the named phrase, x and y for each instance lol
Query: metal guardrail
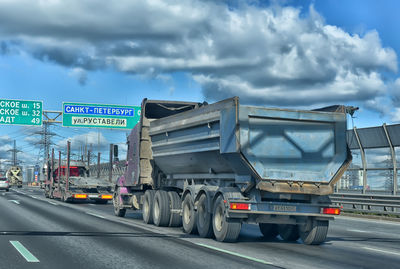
(368, 203)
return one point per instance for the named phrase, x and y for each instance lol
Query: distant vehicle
(211, 168)
(14, 176)
(4, 185)
(77, 186)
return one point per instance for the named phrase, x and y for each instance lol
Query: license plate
(288, 208)
(93, 195)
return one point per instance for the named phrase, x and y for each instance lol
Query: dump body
(275, 150)
(14, 176)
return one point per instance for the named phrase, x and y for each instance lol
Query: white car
(4, 185)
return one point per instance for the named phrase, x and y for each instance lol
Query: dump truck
(212, 167)
(70, 181)
(14, 176)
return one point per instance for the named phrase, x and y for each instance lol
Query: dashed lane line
(382, 251)
(14, 201)
(357, 231)
(29, 257)
(53, 203)
(234, 254)
(95, 215)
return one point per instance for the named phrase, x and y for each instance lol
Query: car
(4, 185)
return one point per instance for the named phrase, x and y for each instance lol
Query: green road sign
(100, 116)
(21, 112)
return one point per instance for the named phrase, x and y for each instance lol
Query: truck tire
(119, 211)
(269, 230)
(148, 206)
(288, 232)
(316, 234)
(7, 189)
(204, 218)
(188, 215)
(224, 231)
(175, 219)
(161, 210)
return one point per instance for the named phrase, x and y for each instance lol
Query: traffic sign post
(100, 115)
(21, 112)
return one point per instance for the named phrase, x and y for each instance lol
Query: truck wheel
(175, 219)
(161, 210)
(316, 234)
(268, 230)
(188, 215)
(204, 223)
(118, 210)
(288, 232)
(224, 231)
(7, 189)
(148, 206)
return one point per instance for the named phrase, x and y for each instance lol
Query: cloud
(395, 98)
(5, 139)
(271, 55)
(79, 74)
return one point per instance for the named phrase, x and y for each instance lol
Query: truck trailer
(70, 181)
(212, 167)
(14, 176)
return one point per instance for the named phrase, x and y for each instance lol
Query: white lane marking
(34, 197)
(14, 201)
(95, 215)
(383, 251)
(53, 203)
(91, 204)
(29, 257)
(356, 231)
(234, 254)
(386, 222)
(4, 194)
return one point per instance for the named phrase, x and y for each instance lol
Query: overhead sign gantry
(21, 112)
(100, 115)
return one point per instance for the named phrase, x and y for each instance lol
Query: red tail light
(331, 211)
(6, 181)
(80, 196)
(239, 206)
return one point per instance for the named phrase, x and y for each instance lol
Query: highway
(37, 232)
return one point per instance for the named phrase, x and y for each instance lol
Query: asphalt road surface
(36, 232)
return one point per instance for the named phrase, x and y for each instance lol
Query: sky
(294, 54)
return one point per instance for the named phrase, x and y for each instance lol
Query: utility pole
(45, 141)
(14, 152)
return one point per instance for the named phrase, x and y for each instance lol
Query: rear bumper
(280, 209)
